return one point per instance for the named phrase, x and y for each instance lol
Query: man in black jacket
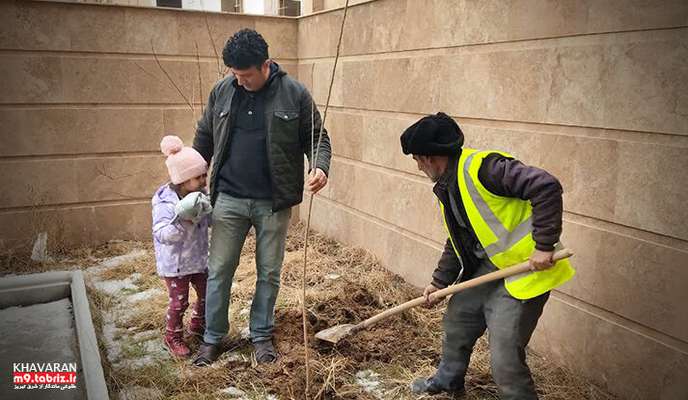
(436, 143)
(256, 128)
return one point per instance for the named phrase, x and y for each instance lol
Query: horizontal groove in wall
(75, 206)
(591, 132)
(91, 105)
(592, 222)
(660, 138)
(385, 224)
(654, 238)
(161, 10)
(4, 52)
(126, 56)
(417, 177)
(630, 325)
(482, 47)
(571, 301)
(80, 156)
(334, 9)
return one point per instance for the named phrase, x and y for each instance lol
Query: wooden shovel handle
(492, 276)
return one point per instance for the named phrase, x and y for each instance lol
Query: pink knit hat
(183, 163)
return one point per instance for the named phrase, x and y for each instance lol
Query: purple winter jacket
(181, 247)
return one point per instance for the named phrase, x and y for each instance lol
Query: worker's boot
(174, 343)
(429, 386)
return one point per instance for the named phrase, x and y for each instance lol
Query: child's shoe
(176, 346)
(196, 330)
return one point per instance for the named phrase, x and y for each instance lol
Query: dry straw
(345, 285)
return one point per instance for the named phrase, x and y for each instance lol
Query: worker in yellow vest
(498, 212)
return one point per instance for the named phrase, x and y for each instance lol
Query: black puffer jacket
(288, 121)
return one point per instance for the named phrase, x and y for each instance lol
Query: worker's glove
(193, 207)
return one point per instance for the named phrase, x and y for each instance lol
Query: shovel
(339, 332)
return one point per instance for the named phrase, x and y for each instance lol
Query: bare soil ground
(345, 285)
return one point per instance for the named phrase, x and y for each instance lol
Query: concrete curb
(51, 286)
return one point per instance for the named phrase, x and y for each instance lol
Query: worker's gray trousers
(509, 322)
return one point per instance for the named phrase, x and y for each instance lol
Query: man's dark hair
(246, 48)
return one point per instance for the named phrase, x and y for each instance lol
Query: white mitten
(193, 207)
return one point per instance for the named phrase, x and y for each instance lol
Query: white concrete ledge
(45, 287)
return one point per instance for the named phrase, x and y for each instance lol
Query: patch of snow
(233, 356)
(116, 261)
(40, 332)
(125, 313)
(153, 347)
(119, 260)
(113, 346)
(40, 248)
(145, 335)
(139, 393)
(233, 392)
(332, 276)
(145, 295)
(370, 382)
(245, 333)
(153, 352)
(137, 362)
(116, 285)
(114, 338)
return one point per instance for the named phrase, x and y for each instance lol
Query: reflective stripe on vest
(503, 226)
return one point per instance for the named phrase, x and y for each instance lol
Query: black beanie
(433, 135)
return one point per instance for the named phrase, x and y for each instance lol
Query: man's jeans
(510, 323)
(232, 218)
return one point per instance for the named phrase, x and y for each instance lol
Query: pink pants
(178, 290)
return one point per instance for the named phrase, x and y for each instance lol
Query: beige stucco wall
(83, 105)
(593, 91)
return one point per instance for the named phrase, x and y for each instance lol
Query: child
(180, 234)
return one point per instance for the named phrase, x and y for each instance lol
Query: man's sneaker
(176, 346)
(429, 386)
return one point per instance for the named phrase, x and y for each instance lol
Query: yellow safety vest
(503, 226)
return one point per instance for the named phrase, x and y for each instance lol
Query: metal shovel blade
(336, 333)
